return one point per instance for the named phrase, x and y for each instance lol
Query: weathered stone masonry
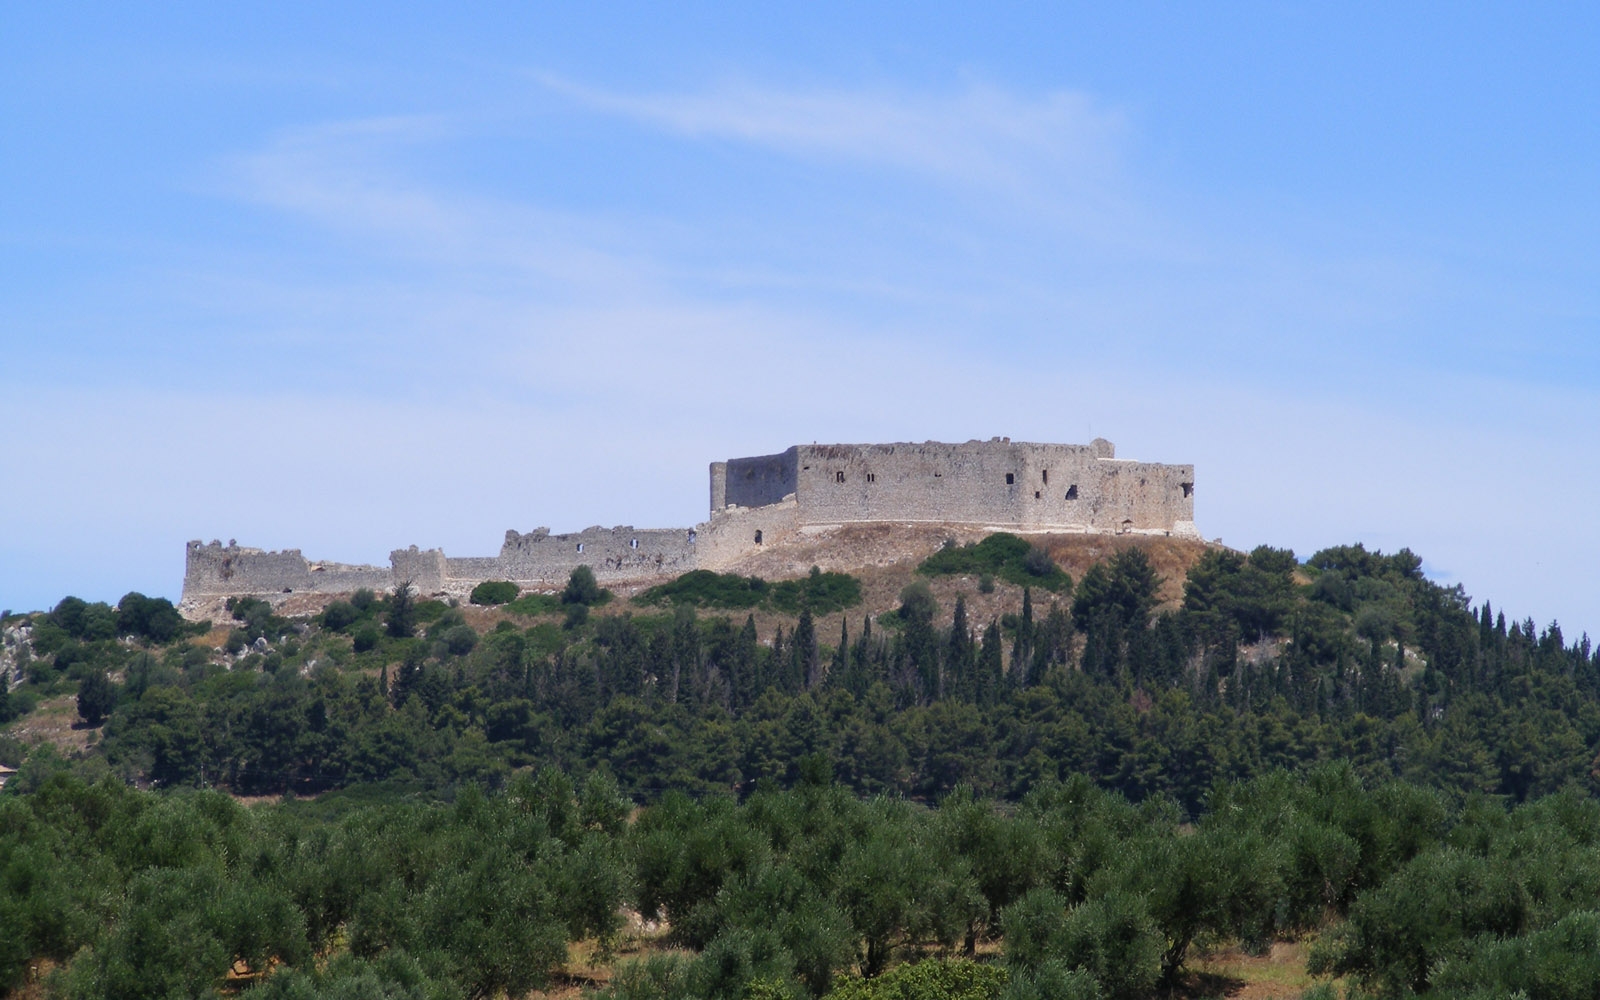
(766, 500)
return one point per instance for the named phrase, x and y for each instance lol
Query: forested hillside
(1075, 788)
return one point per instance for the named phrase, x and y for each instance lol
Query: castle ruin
(766, 500)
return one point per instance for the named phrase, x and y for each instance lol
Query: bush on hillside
(492, 592)
(702, 588)
(823, 593)
(583, 588)
(1013, 559)
(339, 616)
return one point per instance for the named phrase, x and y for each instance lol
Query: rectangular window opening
(1045, 475)
(838, 477)
(1011, 479)
(872, 477)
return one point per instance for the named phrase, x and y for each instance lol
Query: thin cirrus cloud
(982, 134)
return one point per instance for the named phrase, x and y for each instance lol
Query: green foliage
(934, 979)
(702, 588)
(821, 593)
(534, 605)
(340, 615)
(1228, 596)
(1120, 592)
(400, 612)
(1112, 938)
(1002, 555)
(491, 592)
(96, 697)
(153, 619)
(81, 620)
(582, 588)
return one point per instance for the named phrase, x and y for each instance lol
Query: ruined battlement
(767, 500)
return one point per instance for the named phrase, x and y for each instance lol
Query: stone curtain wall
(760, 481)
(765, 500)
(1000, 483)
(615, 554)
(217, 570)
(732, 533)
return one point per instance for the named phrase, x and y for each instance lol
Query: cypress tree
(957, 679)
(990, 671)
(841, 655)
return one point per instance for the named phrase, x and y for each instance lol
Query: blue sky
(348, 280)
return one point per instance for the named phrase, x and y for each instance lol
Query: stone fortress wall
(997, 482)
(767, 500)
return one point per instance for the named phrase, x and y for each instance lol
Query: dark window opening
(580, 546)
(872, 477)
(1011, 479)
(838, 477)
(1188, 489)
(758, 537)
(1072, 492)
(1045, 473)
(1036, 494)
(633, 543)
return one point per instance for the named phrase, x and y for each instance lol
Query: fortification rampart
(998, 482)
(217, 570)
(768, 500)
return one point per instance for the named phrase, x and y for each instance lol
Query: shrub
(704, 589)
(340, 615)
(582, 588)
(1001, 554)
(459, 639)
(402, 612)
(933, 979)
(534, 605)
(823, 593)
(577, 614)
(152, 618)
(917, 603)
(366, 639)
(97, 696)
(493, 592)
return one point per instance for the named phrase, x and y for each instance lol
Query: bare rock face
(15, 649)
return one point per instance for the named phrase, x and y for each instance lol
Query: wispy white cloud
(980, 134)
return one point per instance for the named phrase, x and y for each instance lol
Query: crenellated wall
(766, 500)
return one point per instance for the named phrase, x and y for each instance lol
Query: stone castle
(768, 500)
